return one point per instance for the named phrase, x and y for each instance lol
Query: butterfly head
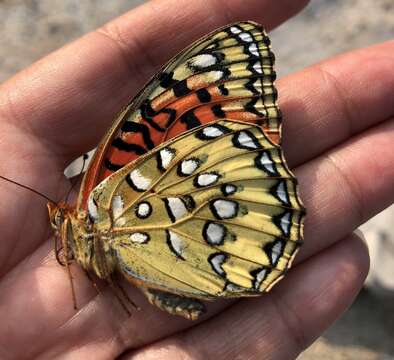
(73, 234)
(59, 216)
(56, 215)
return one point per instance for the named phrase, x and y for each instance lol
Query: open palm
(338, 136)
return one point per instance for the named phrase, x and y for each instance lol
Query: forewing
(215, 212)
(226, 74)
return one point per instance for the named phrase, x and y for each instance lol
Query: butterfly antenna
(74, 181)
(27, 188)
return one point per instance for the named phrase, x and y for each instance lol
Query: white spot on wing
(139, 238)
(189, 166)
(245, 140)
(229, 189)
(246, 37)
(276, 251)
(203, 60)
(177, 207)
(212, 132)
(214, 75)
(260, 276)
(217, 262)
(225, 209)
(257, 67)
(177, 243)
(253, 49)
(117, 206)
(141, 182)
(166, 156)
(266, 162)
(282, 193)
(215, 233)
(207, 179)
(234, 288)
(235, 30)
(92, 209)
(285, 223)
(143, 209)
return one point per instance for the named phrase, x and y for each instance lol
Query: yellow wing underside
(213, 212)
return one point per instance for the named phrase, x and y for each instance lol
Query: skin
(338, 135)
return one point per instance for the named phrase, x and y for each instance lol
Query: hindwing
(213, 212)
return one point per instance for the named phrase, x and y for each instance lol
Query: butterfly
(188, 195)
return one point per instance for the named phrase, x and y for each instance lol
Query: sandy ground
(29, 29)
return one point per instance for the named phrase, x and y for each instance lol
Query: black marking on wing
(125, 146)
(217, 111)
(203, 95)
(131, 126)
(223, 90)
(189, 202)
(111, 166)
(190, 120)
(166, 80)
(250, 85)
(180, 88)
(250, 107)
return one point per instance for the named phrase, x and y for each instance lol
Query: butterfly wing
(226, 74)
(214, 212)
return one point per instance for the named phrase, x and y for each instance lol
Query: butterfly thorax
(81, 241)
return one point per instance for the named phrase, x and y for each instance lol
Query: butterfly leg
(122, 295)
(93, 282)
(189, 308)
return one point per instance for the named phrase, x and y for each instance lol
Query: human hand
(338, 136)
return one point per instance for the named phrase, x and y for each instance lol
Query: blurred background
(30, 29)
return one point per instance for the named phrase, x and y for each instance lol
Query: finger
(69, 98)
(328, 186)
(37, 302)
(62, 104)
(284, 322)
(333, 212)
(346, 186)
(328, 103)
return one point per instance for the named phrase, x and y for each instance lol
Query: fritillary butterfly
(188, 196)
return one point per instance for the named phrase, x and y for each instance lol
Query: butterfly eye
(57, 219)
